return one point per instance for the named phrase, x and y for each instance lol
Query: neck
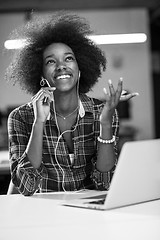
(66, 103)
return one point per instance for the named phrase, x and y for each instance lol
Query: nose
(61, 66)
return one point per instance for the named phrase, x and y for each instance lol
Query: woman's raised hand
(41, 103)
(112, 98)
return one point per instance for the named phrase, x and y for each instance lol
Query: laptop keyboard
(100, 201)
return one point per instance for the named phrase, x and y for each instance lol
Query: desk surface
(43, 216)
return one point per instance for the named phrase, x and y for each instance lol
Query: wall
(9, 95)
(131, 61)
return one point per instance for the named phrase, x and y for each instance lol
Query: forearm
(35, 145)
(106, 152)
(106, 160)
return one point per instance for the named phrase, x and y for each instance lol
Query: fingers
(128, 96)
(43, 95)
(37, 95)
(50, 88)
(107, 96)
(111, 88)
(119, 89)
(113, 94)
(119, 94)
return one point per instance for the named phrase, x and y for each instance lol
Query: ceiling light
(98, 39)
(15, 44)
(119, 38)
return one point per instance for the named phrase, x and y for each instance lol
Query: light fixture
(98, 39)
(15, 44)
(119, 38)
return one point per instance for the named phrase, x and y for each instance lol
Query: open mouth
(64, 76)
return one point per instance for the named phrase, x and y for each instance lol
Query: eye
(69, 58)
(50, 61)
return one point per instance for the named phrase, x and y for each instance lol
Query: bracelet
(106, 141)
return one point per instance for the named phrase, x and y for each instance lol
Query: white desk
(42, 217)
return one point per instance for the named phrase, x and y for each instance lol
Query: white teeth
(63, 76)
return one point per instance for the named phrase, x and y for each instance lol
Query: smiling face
(60, 67)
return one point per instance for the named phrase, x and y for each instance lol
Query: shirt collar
(81, 109)
(85, 105)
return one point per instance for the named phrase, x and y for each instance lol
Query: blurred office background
(137, 63)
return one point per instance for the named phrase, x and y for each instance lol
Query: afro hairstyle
(26, 67)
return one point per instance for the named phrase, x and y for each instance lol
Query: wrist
(106, 131)
(106, 124)
(106, 141)
(38, 124)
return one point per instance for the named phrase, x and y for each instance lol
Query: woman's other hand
(112, 98)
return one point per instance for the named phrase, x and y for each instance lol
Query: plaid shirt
(56, 172)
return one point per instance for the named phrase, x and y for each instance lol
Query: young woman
(62, 140)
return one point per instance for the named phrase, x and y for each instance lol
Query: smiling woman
(60, 67)
(57, 142)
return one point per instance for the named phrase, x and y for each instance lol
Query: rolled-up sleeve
(26, 178)
(102, 180)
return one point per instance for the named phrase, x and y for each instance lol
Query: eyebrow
(52, 55)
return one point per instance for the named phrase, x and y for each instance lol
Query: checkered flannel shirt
(58, 173)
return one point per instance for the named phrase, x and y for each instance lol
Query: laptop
(135, 180)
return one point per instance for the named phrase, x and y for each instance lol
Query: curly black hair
(70, 29)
